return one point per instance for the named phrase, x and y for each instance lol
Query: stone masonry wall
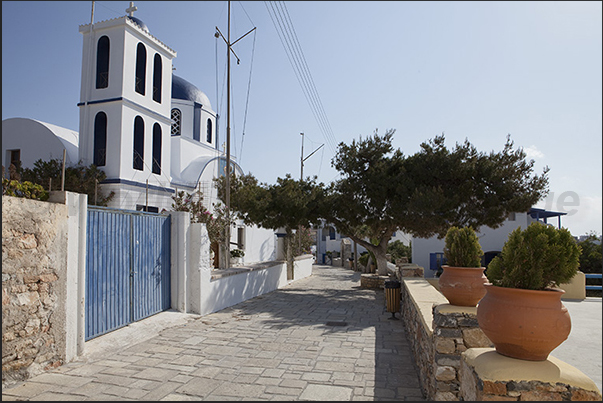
(34, 259)
(455, 329)
(552, 379)
(439, 333)
(420, 338)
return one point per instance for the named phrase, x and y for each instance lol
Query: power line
(288, 38)
(299, 63)
(309, 75)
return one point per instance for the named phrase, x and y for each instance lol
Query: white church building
(153, 133)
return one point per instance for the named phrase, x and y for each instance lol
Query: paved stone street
(319, 338)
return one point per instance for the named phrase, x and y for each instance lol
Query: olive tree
(381, 190)
(288, 204)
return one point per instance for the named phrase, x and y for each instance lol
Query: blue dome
(182, 89)
(138, 22)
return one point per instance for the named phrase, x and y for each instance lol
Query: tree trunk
(381, 263)
(224, 257)
(378, 250)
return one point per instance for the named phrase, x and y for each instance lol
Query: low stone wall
(446, 340)
(455, 329)
(487, 375)
(368, 280)
(439, 334)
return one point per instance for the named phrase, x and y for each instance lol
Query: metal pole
(299, 231)
(302, 158)
(227, 229)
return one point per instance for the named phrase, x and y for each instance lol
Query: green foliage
(288, 204)
(306, 241)
(536, 258)
(591, 260)
(399, 249)
(23, 189)
(214, 223)
(237, 253)
(363, 259)
(78, 179)
(462, 248)
(426, 193)
(464, 187)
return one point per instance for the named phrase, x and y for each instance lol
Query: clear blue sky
(475, 70)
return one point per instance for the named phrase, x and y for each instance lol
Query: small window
(157, 78)
(197, 122)
(176, 122)
(332, 234)
(148, 209)
(209, 131)
(138, 155)
(241, 238)
(102, 62)
(100, 139)
(511, 216)
(156, 149)
(15, 157)
(141, 67)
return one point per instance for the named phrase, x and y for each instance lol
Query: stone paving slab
(279, 346)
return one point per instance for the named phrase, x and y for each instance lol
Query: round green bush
(536, 258)
(462, 248)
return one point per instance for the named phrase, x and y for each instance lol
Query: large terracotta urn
(463, 286)
(524, 324)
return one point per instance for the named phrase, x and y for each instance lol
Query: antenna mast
(228, 50)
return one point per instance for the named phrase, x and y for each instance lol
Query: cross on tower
(130, 10)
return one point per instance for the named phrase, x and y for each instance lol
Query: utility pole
(227, 173)
(302, 159)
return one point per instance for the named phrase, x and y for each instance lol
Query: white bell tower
(125, 104)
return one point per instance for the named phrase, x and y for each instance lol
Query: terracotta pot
(463, 286)
(524, 324)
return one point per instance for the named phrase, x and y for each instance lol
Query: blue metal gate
(127, 268)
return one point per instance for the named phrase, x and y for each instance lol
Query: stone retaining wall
(455, 330)
(439, 334)
(368, 280)
(456, 360)
(419, 329)
(34, 261)
(487, 375)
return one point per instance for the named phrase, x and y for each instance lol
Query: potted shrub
(522, 313)
(237, 255)
(462, 280)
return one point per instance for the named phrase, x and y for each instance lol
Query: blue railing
(593, 275)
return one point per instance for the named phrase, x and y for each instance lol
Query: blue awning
(542, 214)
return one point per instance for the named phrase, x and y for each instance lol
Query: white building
(429, 252)
(150, 131)
(329, 240)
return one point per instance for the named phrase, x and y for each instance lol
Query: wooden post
(355, 256)
(63, 173)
